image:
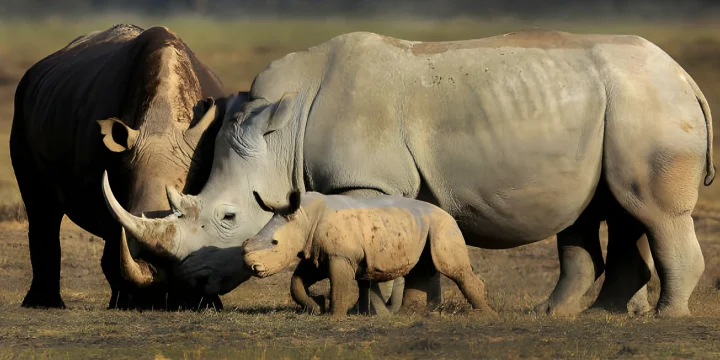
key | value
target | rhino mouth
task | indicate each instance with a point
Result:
(258, 269)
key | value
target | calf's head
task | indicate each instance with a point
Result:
(280, 240)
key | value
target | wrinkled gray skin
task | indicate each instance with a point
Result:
(130, 101)
(519, 137)
(347, 239)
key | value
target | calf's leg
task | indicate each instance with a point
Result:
(450, 257)
(343, 286)
(306, 275)
(371, 294)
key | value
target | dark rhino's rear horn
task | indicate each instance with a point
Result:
(139, 273)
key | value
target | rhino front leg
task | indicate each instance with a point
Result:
(343, 286)
(44, 215)
(306, 275)
(395, 297)
(581, 263)
(44, 238)
(422, 285)
(421, 292)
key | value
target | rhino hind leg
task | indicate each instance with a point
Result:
(450, 257)
(581, 263)
(628, 267)
(661, 193)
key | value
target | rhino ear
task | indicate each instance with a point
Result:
(294, 199)
(118, 136)
(234, 105)
(282, 113)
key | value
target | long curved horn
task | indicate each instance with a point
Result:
(155, 234)
(139, 273)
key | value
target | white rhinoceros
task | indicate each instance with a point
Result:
(519, 137)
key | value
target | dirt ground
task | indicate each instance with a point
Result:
(259, 320)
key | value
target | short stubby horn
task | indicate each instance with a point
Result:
(182, 204)
(139, 273)
(157, 235)
(174, 199)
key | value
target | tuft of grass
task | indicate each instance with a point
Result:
(12, 212)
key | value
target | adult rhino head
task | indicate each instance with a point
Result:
(249, 147)
(162, 132)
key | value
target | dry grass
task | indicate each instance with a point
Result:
(260, 321)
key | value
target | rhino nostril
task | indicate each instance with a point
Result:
(274, 242)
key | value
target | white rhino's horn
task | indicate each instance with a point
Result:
(174, 199)
(139, 273)
(181, 204)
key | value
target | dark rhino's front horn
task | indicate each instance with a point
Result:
(156, 235)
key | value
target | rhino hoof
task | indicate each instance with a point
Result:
(486, 313)
(546, 308)
(39, 300)
(543, 308)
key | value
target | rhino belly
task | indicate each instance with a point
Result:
(510, 212)
(510, 192)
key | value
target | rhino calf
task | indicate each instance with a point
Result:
(349, 239)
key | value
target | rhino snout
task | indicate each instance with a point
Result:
(258, 244)
(257, 267)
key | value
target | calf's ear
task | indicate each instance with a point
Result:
(262, 204)
(294, 198)
(118, 136)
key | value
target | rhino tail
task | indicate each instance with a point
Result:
(709, 167)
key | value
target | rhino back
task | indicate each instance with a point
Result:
(70, 89)
(100, 75)
(489, 130)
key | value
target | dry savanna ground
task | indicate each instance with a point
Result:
(259, 320)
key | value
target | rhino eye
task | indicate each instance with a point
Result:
(229, 217)
(274, 242)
